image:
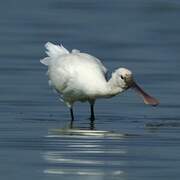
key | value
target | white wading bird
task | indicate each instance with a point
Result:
(79, 76)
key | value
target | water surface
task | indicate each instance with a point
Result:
(128, 139)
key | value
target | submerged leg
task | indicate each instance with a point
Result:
(92, 126)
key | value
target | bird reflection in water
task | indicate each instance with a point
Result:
(91, 124)
(85, 152)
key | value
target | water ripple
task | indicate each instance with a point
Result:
(82, 150)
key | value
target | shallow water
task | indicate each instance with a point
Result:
(128, 140)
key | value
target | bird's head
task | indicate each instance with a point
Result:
(124, 79)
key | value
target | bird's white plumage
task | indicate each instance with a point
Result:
(76, 76)
(79, 76)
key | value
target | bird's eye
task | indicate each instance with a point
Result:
(122, 77)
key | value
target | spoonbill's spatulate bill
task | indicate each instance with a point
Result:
(78, 76)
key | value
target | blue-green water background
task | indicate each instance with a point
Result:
(130, 140)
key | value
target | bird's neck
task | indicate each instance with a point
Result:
(113, 88)
(109, 88)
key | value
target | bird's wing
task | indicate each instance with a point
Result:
(103, 68)
(98, 62)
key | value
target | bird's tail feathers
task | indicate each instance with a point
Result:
(53, 51)
(45, 61)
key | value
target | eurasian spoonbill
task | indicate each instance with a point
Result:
(78, 76)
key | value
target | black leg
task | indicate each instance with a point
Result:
(72, 115)
(92, 112)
